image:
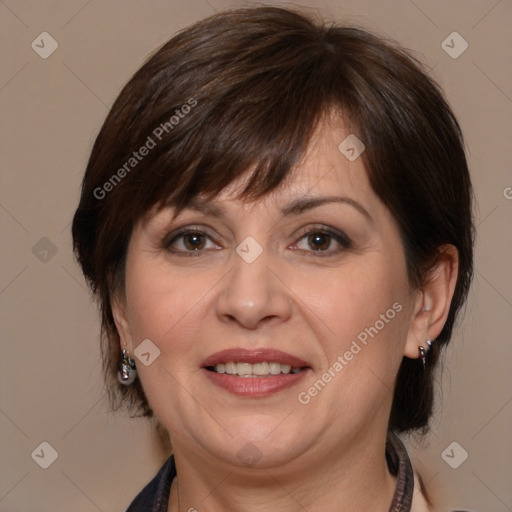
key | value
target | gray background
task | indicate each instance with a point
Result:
(51, 110)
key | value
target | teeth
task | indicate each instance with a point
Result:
(243, 369)
(275, 368)
(230, 368)
(262, 369)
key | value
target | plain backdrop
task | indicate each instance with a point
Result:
(51, 110)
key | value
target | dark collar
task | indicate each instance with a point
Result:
(400, 466)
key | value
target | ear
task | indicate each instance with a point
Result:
(118, 305)
(433, 301)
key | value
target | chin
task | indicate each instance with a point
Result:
(257, 446)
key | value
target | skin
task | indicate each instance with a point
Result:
(326, 455)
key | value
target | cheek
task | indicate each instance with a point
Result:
(361, 317)
(169, 311)
(164, 307)
(353, 299)
(362, 328)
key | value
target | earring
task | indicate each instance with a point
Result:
(423, 352)
(127, 370)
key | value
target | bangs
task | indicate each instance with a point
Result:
(260, 122)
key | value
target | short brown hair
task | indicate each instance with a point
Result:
(245, 89)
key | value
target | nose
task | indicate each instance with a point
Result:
(253, 294)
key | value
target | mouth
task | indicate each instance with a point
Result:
(254, 373)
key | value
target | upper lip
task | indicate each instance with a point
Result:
(253, 356)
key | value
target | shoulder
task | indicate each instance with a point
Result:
(419, 501)
(423, 503)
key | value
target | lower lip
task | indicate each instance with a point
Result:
(254, 386)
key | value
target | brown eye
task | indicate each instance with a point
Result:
(322, 242)
(188, 242)
(319, 241)
(194, 241)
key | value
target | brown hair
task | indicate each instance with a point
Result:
(245, 89)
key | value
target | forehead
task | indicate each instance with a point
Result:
(324, 169)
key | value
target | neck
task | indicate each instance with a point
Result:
(353, 478)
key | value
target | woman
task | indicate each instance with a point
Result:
(276, 220)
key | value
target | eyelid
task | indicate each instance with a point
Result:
(186, 230)
(322, 228)
(338, 236)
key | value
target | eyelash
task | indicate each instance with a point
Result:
(339, 237)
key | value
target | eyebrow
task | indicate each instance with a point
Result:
(296, 207)
(305, 203)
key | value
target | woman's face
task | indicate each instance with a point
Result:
(312, 277)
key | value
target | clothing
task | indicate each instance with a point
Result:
(155, 496)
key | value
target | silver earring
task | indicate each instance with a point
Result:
(423, 352)
(127, 370)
